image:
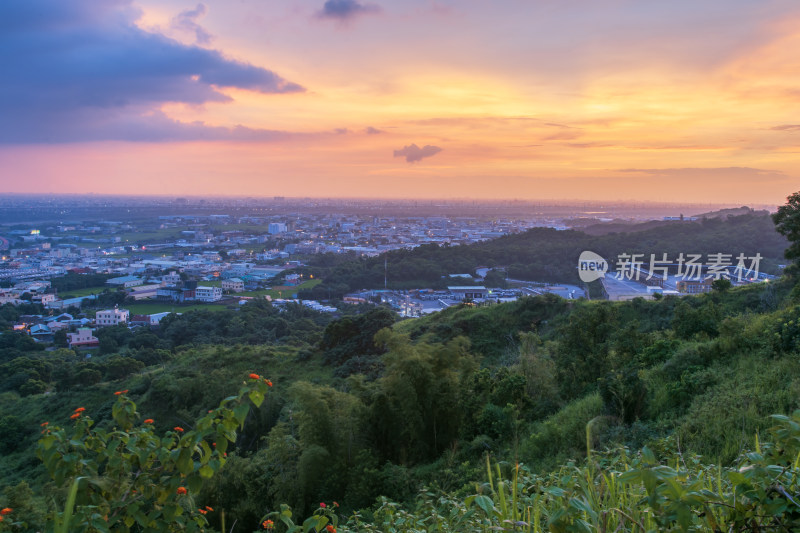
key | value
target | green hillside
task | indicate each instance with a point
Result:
(419, 425)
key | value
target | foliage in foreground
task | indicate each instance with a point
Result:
(613, 491)
(130, 479)
(617, 491)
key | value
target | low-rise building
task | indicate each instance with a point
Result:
(468, 293)
(82, 338)
(207, 294)
(112, 317)
(694, 286)
(143, 292)
(125, 282)
(44, 298)
(233, 285)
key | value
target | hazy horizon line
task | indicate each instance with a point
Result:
(278, 197)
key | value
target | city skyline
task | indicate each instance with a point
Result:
(611, 100)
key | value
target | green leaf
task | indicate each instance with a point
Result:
(206, 471)
(648, 455)
(222, 442)
(171, 511)
(631, 476)
(311, 522)
(241, 413)
(256, 397)
(485, 503)
(184, 462)
(555, 491)
(194, 483)
(63, 527)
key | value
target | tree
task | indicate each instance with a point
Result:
(12, 433)
(787, 222)
(60, 338)
(495, 278)
(721, 284)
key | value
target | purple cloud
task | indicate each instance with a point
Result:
(346, 9)
(786, 127)
(372, 131)
(187, 21)
(414, 153)
(82, 70)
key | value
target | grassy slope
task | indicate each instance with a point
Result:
(185, 387)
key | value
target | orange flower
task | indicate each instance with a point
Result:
(74, 416)
(178, 429)
(148, 420)
(255, 376)
(80, 409)
(330, 529)
(335, 504)
(118, 393)
(181, 490)
(322, 504)
(268, 382)
(202, 511)
(267, 524)
(6, 510)
(1, 518)
(210, 508)
(43, 424)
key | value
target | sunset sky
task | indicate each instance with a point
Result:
(535, 99)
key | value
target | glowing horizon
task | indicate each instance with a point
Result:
(610, 101)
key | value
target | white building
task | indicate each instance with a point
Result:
(468, 292)
(208, 294)
(233, 285)
(112, 317)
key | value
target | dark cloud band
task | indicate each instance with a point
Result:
(346, 9)
(82, 70)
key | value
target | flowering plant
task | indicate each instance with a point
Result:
(130, 478)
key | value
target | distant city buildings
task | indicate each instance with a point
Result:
(209, 256)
